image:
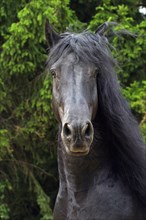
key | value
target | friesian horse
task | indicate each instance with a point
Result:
(101, 154)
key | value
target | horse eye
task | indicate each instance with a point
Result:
(53, 73)
(95, 74)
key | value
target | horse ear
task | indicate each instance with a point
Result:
(104, 27)
(51, 36)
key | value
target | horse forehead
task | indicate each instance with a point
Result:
(78, 66)
(69, 58)
(71, 61)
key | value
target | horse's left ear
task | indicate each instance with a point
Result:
(104, 27)
(51, 36)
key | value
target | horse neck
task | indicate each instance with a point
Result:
(77, 173)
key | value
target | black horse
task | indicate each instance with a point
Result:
(101, 155)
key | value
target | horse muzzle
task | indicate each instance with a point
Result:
(77, 137)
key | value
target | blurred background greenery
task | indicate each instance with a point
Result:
(28, 131)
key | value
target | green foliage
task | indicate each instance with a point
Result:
(43, 201)
(136, 94)
(5, 145)
(4, 210)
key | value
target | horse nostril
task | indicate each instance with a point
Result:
(87, 130)
(67, 130)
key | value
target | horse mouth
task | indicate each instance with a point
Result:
(78, 152)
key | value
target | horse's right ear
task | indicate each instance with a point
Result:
(52, 37)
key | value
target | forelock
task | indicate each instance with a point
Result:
(88, 47)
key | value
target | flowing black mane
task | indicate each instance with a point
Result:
(126, 147)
